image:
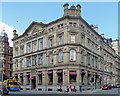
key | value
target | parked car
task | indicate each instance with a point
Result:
(118, 85)
(105, 87)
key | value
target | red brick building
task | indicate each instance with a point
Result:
(6, 54)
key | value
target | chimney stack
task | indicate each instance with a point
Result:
(73, 11)
(102, 35)
(15, 34)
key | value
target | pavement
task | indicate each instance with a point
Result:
(95, 92)
(56, 92)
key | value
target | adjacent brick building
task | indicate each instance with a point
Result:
(6, 54)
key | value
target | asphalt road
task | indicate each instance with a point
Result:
(111, 92)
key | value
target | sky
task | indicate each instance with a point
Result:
(19, 15)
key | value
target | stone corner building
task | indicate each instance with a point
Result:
(6, 55)
(63, 52)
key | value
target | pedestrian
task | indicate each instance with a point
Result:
(70, 89)
(67, 89)
(74, 89)
(60, 89)
(80, 87)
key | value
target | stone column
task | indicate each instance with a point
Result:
(55, 77)
(85, 58)
(30, 81)
(78, 76)
(36, 82)
(19, 78)
(65, 77)
(86, 78)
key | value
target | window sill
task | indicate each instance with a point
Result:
(72, 60)
(60, 61)
(50, 83)
(72, 81)
(27, 84)
(39, 84)
(59, 83)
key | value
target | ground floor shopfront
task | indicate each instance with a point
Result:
(51, 79)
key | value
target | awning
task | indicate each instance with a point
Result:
(39, 73)
(89, 73)
(73, 73)
(21, 74)
(28, 74)
(59, 71)
(15, 75)
(96, 74)
(83, 72)
(49, 72)
(31, 78)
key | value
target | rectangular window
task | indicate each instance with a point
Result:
(35, 47)
(51, 58)
(29, 61)
(29, 48)
(60, 40)
(16, 63)
(51, 43)
(35, 59)
(41, 58)
(22, 62)
(16, 52)
(72, 38)
(41, 45)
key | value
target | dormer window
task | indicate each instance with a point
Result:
(74, 24)
(61, 25)
(58, 26)
(70, 23)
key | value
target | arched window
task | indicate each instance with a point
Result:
(72, 55)
(60, 56)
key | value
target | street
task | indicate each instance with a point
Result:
(97, 92)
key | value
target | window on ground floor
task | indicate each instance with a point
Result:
(73, 75)
(50, 77)
(28, 80)
(60, 76)
(40, 78)
(82, 77)
(21, 79)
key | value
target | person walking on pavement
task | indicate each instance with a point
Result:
(80, 87)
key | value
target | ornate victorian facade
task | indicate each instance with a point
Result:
(6, 55)
(63, 52)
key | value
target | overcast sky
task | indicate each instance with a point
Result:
(20, 15)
